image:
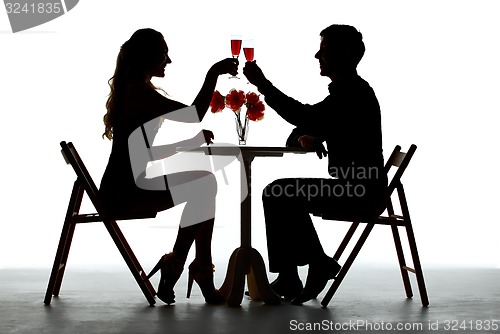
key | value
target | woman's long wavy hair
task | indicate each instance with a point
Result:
(136, 57)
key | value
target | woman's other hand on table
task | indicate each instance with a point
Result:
(208, 135)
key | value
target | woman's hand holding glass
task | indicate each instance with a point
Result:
(226, 66)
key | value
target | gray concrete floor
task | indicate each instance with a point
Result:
(369, 300)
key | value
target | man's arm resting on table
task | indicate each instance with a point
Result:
(303, 139)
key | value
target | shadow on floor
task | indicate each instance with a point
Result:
(368, 301)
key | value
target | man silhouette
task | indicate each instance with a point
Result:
(348, 120)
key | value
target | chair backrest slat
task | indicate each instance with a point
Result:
(71, 155)
(392, 157)
(400, 160)
(65, 157)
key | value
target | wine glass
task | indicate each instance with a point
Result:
(248, 49)
(235, 49)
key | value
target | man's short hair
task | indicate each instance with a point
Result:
(346, 36)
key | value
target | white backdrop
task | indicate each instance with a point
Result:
(433, 65)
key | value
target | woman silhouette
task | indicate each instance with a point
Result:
(134, 101)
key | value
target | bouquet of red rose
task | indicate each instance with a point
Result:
(235, 101)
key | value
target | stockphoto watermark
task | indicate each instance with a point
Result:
(186, 169)
(356, 325)
(354, 172)
(465, 326)
(26, 14)
(348, 182)
(311, 188)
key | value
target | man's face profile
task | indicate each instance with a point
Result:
(323, 56)
(333, 57)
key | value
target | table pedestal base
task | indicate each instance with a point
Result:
(246, 261)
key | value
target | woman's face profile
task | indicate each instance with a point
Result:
(160, 58)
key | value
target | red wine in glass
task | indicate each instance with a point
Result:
(235, 47)
(248, 50)
(248, 53)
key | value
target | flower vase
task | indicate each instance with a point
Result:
(242, 130)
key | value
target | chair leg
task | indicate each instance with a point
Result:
(131, 260)
(347, 265)
(346, 240)
(418, 267)
(59, 265)
(402, 262)
(413, 248)
(64, 246)
(64, 260)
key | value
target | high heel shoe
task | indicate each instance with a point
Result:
(171, 269)
(203, 274)
(317, 277)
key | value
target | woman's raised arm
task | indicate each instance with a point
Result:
(202, 100)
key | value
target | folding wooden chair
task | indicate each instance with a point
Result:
(85, 184)
(399, 160)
